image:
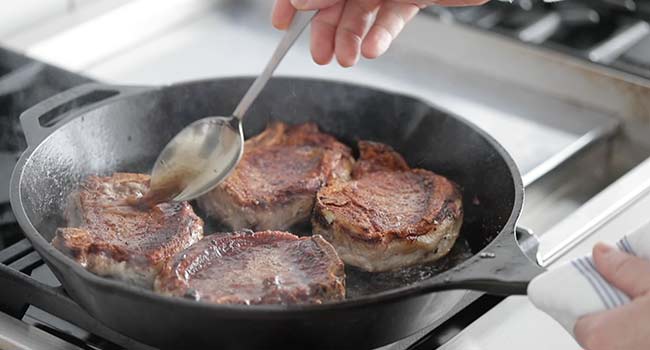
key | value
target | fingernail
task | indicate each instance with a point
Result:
(383, 42)
(299, 4)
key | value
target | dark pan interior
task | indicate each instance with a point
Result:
(127, 134)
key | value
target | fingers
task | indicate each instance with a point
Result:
(625, 327)
(343, 27)
(628, 273)
(323, 28)
(353, 26)
(313, 4)
(282, 15)
(323, 32)
(391, 19)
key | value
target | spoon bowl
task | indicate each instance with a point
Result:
(198, 158)
(205, 152)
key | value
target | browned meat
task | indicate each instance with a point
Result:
(388, 216)
(111, 238)
(268, 267)
(275, 184)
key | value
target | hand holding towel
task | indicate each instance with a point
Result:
(604, 298)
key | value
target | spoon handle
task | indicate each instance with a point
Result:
(298, 24)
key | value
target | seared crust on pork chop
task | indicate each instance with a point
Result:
(268, 267)
(388, 216)
(109, 237)
(275, 183)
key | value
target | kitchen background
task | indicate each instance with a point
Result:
(563, 86)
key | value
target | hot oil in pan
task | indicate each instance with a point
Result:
(359, 283)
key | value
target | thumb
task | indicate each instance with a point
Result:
(313, 4)
(628, 273)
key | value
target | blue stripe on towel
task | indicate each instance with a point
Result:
(619, 297)
(605, 287)
(591, 281)
(622, 246)
(626, 243)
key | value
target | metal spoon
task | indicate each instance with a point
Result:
(205, 152)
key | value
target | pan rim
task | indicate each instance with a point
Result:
(392, 295)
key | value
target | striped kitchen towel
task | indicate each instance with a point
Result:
(574, 289)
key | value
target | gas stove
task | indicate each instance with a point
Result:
(575, 122)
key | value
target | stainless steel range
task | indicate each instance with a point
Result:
(613, 33)
(563, 86)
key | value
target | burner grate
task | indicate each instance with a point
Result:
(15, 258)
(27, 298)
(607, 32)
(15, 252)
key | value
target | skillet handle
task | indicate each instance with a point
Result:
(41, 120)
(502, 268)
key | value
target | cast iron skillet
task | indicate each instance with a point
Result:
(99, 129)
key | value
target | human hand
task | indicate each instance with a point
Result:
(348, 28)
(626, 327)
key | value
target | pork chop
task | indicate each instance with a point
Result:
(111, 238)
(268, 267)
(388, 216)
(275, 183)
